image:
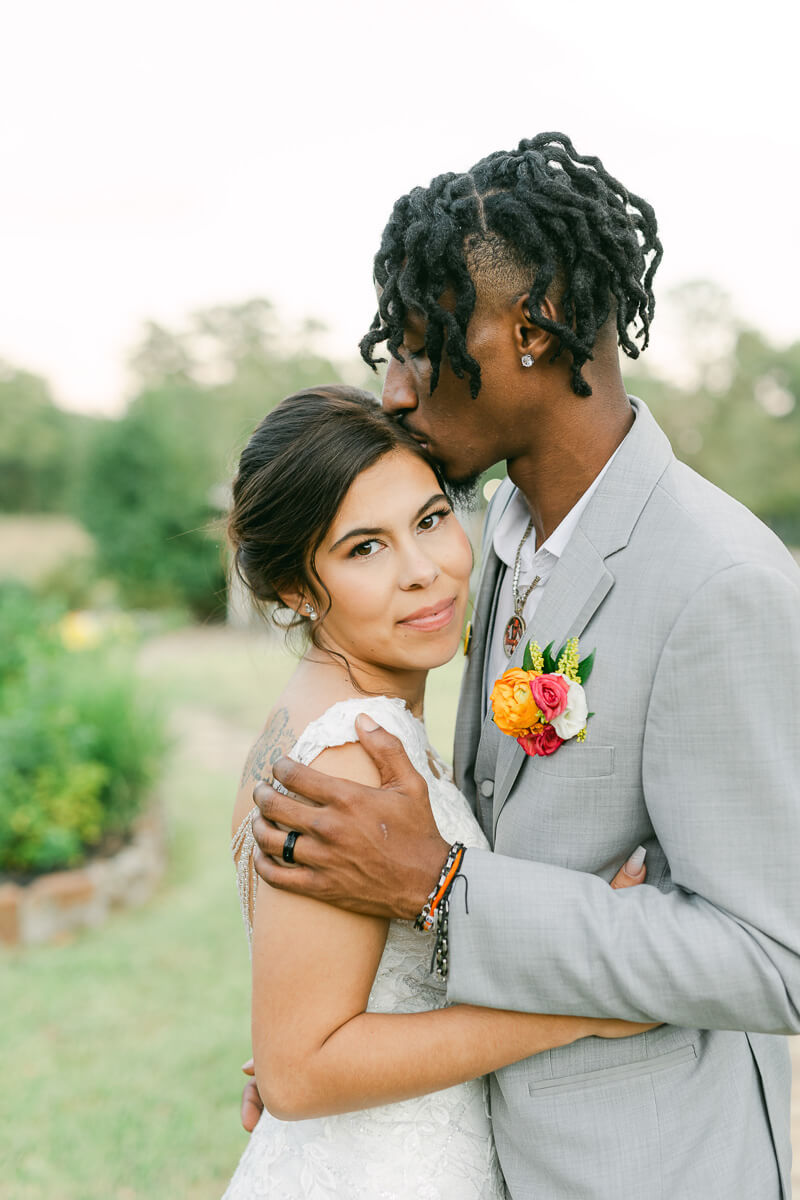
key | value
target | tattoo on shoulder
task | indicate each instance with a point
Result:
(277, 739)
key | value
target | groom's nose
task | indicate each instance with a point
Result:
(399, 394)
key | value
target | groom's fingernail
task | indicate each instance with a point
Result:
(634, 864)
(366, 723)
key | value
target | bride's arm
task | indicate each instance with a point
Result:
(318, 1052)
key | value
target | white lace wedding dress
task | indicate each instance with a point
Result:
(435, 1147)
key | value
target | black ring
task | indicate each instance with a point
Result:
(288, 846)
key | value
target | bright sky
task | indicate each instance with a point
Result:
(162, 156)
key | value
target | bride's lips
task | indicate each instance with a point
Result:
(432, 618)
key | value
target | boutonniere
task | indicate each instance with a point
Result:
(542, 704)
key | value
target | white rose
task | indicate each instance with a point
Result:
(573, 718)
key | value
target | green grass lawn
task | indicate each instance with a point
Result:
(120, 1050)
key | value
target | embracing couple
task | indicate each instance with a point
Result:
(449, 1000)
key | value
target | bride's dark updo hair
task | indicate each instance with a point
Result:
(293, 475)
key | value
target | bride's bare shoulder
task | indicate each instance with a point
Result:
(298, 705)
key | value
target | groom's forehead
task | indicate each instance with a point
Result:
(415, 318)
(416, 321)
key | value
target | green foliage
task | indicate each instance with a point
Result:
(74, 580)
(215, 379)
(156, 481)
(79, 745)
(174, 969)
(146, 500)
(28, 633)
(41, 446)
(736, 419)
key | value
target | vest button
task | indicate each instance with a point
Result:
(487, 787)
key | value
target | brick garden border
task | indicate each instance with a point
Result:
(52, 906)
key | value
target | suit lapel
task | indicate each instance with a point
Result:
(470, 710)
(582, 579)
(579, 583)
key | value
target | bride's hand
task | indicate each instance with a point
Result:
(631, 872)
(252, 1104)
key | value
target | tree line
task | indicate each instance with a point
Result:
(151, 486)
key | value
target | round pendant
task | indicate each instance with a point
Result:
(513, 634)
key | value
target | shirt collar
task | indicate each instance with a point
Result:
(514, 521)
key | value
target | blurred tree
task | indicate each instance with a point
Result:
(736, 419)
(159, 358)
(152, 483)
(145, 498)
(41, 446)
(228, 367)
(157, 479)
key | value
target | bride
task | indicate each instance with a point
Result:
(372, 1086)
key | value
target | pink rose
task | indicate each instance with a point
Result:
(550, 695)
(546, 742)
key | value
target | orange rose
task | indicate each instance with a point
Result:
(515, 711)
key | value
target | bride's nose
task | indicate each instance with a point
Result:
(418, 569)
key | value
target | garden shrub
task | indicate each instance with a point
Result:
(80, 746)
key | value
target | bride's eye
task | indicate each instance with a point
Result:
(433, 519)
(363, 549)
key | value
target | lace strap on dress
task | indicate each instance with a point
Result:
(337, 727)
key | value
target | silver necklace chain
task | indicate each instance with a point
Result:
(521, 601)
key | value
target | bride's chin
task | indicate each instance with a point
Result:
(430, 657)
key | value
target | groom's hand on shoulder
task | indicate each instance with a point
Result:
(369, 849)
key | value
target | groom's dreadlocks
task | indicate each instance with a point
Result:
(521, 220)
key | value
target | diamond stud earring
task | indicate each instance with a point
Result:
(527, 360)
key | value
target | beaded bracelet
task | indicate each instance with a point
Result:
(442, 917)
(425, 919)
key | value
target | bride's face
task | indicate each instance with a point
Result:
(396, 563)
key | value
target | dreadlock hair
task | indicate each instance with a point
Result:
(526, 218)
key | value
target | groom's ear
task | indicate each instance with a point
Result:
(530, 338)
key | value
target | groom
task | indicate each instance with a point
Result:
(503, 294)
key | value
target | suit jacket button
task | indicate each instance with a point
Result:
(487, 787)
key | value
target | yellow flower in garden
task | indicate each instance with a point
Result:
(512, 703)
(79, 631)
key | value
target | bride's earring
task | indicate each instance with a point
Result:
(311, 611)
(527, 360)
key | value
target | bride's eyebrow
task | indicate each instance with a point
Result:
(372, 532)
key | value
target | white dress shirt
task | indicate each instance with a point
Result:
(506, 540)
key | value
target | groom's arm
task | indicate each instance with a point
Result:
(721, 776)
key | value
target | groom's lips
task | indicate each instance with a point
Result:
(434, 617)
(422, 439)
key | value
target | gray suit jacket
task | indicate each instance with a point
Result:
(693, 607)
